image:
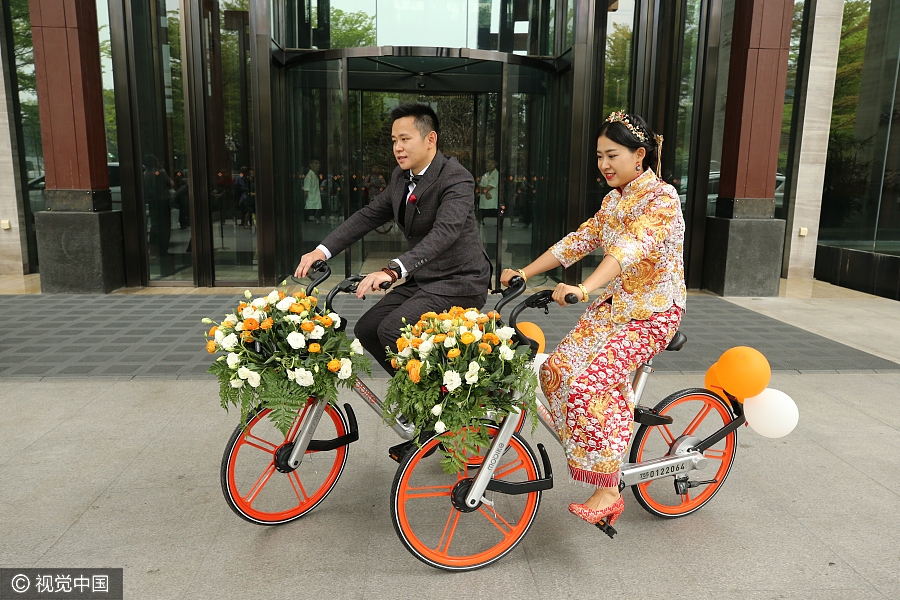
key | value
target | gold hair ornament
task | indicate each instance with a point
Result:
(659, 142)
(622, 117)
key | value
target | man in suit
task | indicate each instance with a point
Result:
(432, 199)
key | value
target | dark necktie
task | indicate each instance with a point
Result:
(410, 180)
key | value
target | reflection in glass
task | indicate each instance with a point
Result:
(161, 132)
(232, 174)
(861, 196)
(789, 95)
(618, 56)
(515, 26)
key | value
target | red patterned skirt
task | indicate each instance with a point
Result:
(587, 383)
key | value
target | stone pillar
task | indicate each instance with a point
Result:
(813, 107)
(744, 242)
(79, 238)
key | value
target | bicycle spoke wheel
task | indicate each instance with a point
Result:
(257, 491)
(440, 535)
(696, 413)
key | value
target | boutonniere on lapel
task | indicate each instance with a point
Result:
(412, 199)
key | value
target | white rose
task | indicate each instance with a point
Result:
(285, 303)
(303, 377)
(472, 315)
(437, 409)
(462, 329)
(406, 352)
(446, 325)
(504, 333)
(295, 319)
(219, 336)
(477, 333)
(233, 360)
(244, 372)
(317, 333)
(239, 326)
(426, 347)
(248, 312)
(272, 298)
(474, 367)
(506, 353)
(471, 377)
(296, 340)
(346, 369)
(336, 319)
(449, 342)
(452, 380)
(253, 379)
(230, 320)
(440, 427)
(260, 303)
(290, 374)
(229, 341)
(237, 383)
(356, 347)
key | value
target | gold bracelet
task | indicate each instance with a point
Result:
(522, 273)
(583, 292)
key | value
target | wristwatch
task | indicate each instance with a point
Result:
(393, 266)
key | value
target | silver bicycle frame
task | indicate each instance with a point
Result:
(403, 428)
(310, 422)
(492, 458)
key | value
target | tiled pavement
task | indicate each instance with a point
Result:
(161, 336)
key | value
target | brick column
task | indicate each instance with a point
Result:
(79, 237)
(743, 241)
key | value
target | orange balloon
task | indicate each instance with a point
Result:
(744, 372)
(534, 332)
(711, 382)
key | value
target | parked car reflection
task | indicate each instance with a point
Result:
(39, 202)
(713, 191)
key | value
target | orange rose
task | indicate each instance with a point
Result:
(313, 300)
(469, 324)
(492, 338)
(307, 326)
(315, 348)
(482, 320)
(430, 315)
(394, 363)
(246, 336)
(439, 338)
(213, 330)
(486, 348)
(296, 307)
(467, 338)
(444, 316)
(493, 315)
(334, 366)
(413, 367)
(429, 330)
(326, 321)
(416, 331)
(211, 346)
(402, 343)
(241, 306)
(267, 324)
(281, 295)
(300, 294)
(415, 342)
(454, 352)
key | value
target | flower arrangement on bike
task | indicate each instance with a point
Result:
(281, 351)
(454, 369)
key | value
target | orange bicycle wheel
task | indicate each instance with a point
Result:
(256, 482)
(442, 536)
(696, 414)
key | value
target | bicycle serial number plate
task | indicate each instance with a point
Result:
(663, 471)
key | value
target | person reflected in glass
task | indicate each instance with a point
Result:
(638, 296)
(487, 201)
(181, 200)
(312, 191)
(373, 184)
(156, 186)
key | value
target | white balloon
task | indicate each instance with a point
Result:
(772, 413)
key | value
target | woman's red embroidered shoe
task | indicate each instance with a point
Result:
(609, 515)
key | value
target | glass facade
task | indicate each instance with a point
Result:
(207, 92)
(861, 195)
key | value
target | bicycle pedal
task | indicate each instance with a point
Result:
(607, 529)
(399, 452)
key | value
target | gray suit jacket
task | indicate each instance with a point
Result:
(445, 255)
